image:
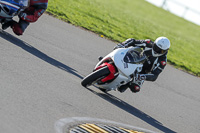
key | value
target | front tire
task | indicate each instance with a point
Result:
(98, 74)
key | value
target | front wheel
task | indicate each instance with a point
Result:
(98, 74)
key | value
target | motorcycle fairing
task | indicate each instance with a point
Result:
(10, 8)
(111, 69)
(125, 70)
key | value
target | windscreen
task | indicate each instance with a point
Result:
(135, 55)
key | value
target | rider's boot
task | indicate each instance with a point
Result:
(134, 87)
(6, 25)
(123, 88)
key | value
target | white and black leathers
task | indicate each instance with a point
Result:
(154, 65)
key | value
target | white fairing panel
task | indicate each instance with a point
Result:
(116, 83)
(125, 69)
(118, 57)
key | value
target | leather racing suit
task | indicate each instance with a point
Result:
(152, 67)
(31, 14)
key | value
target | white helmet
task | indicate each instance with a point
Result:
(161, 46)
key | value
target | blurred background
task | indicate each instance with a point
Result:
(188, 9)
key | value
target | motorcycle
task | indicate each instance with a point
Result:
(116, 69)
(11, 8)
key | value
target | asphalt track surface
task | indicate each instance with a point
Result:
(41, 71)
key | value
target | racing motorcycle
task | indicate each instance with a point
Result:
(11, 8)
(116, 69)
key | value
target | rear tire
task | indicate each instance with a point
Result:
(95, 75)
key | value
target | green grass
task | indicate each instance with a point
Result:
(122, 19)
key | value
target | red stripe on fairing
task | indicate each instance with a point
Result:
(111, 69)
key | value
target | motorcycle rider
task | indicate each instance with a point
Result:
(156, 53)
(30, 15)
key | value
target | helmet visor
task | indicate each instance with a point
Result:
(158, 50)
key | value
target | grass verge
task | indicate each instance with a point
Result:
(122, 19)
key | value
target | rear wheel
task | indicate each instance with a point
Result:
(98, 74)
